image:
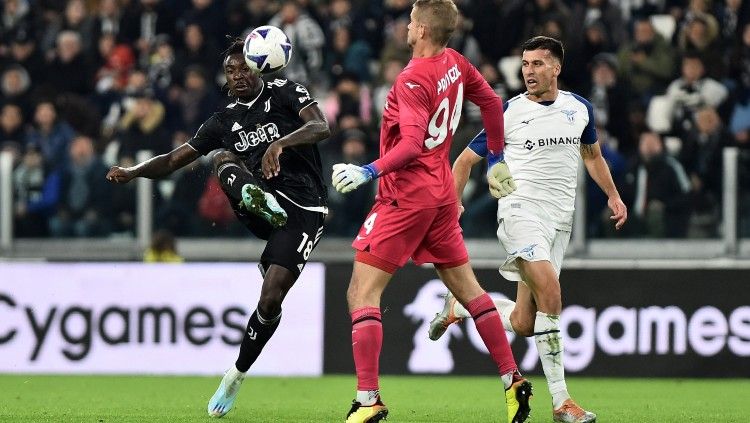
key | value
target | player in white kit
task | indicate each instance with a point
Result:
(546, 131)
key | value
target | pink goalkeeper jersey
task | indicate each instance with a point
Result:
(429, 94)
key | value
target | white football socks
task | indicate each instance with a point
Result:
(504, 306)
(367, 398)
(550, 346)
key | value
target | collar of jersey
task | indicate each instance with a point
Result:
(250, 104)
(545, 103)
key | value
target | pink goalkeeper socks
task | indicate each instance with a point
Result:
(490, 328)
(367, 340)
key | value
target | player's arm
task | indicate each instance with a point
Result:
(314, 130)
(479, 92)
(206, 139)
(591, 153)
(414, 103)
(599, 171)
(461, 171)
(155, 167)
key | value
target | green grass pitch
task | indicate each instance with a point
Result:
(99, 399)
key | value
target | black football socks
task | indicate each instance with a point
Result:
(259, 331)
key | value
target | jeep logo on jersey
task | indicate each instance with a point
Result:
(265, 133)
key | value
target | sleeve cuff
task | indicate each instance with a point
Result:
(493, 159)
(371, 170)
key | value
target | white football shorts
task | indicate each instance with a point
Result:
(531, 239)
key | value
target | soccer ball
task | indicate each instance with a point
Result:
(267, 49)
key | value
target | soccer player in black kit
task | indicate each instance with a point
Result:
(270, 169)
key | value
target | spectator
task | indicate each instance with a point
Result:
(488, 17)
(701, 156)
(15, 85)
(345, 213)
(691, 91)
(349, 98)
(732, 16)
(463, 41)
(23, 52)
(142, 126)
(114, 74)
(389, 72)
(606, 93)
(395, 47)
(163, 249)
(137, 83)
(656, 191)
(76, 18)
(209, 16)
(123, 198)
(50, 135)
(739, 66)
(85, 197)
(142, 21)
(589, 12)
(161, 65)
(15, 15)
(647, 61)
(245, 14)
(197, 100)
(698, 38)
(348, 56)
(181, 193)
(598, 220)
(69, 71)
(11, 126)
(577, 70)
(36, 194)
(198, 50)
(539, 12)
(307, 38)
(107, 19)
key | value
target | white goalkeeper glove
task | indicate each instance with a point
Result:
(348, 177)
(500, 180)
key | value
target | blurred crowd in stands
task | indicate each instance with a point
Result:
(89, 83)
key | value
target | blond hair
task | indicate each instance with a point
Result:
(438, 15)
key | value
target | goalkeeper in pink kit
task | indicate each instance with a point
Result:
(416, 210)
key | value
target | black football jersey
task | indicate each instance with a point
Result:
(247, 129)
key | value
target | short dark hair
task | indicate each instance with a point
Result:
(545, 43)
(236, 45)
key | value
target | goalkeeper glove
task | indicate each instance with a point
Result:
(499, 177)
(348, 177)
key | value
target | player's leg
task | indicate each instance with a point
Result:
(519, 236)
(444, 246)
(542, 279)
(517, 316)
(243, 188)
(370, 276)
(386, 240)
(282, 262)
(260, 328)
(462, 282)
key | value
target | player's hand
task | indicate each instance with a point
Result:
(500, 180)
(619, 210)
(460, 209)
(348, 177)
(119, 175)
(270, 162)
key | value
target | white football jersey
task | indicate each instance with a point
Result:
(542, 150)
